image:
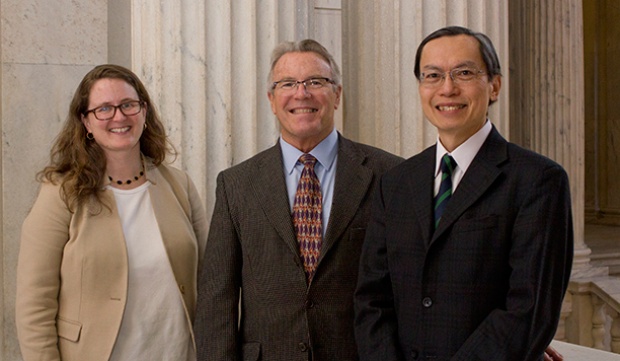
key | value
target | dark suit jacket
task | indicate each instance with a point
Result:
(252, 248)
(488, 283)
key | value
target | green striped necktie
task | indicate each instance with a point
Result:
(445, 189)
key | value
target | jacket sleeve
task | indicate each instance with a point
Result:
(540, 260)
(376, 327)
(219, 282)
(44, 235)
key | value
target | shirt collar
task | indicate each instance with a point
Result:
(325, 152)
(465, 153)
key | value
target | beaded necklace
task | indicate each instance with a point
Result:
(128, 181)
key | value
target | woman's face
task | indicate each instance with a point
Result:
(120, 133)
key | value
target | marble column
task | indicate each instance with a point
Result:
(206, 64)
(547, 95)
(380, 39)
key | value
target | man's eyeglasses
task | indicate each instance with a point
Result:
(458, 75)
(107, 112)
(290, 86)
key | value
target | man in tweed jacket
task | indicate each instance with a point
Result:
(254, 299)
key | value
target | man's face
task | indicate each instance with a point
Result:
(457, 109)
(306, 116)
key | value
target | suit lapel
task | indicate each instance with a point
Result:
(353, 180)
(421, 191)
(482, 172)
(269, 186)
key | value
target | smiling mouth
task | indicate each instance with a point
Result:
(120, 130)
(304, 110)
(448, 108)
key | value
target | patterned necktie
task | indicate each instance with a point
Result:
(445, 189)
(307, 210)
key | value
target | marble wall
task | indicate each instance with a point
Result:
(380, 41)
(205, 64)
(46, 47)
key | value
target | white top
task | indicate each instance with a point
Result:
(154, 325)
(463, 155)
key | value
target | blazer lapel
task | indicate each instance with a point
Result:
(352, 184)
(482, 172)
(421, 191)
(269, 186)
(166, 194)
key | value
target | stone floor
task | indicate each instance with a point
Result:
(579, 353)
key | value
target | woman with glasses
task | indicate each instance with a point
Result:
(110, 250)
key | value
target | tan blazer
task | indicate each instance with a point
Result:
(72, 268)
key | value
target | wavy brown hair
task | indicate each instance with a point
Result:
(77, 163)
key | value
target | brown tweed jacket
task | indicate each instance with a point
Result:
(252, 257)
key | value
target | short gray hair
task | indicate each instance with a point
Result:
(303, 46)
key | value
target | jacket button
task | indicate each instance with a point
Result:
(309, 304)
(182, 288)
(302, 347)
(427, 302)
(414, 354)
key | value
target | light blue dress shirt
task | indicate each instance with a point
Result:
(326, 154)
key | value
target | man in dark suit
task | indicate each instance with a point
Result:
(274, 287)
(485, 279)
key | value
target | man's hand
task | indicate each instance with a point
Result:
(552, 355)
